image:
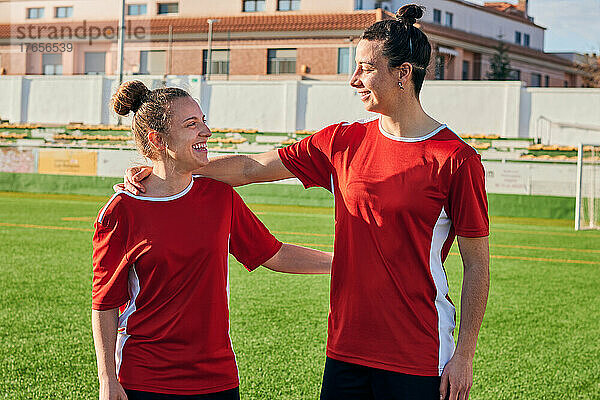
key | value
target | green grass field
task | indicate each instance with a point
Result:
(539, 340)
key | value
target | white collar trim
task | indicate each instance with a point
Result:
(409, 139)
(169, 198)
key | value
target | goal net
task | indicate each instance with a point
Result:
(587, 205)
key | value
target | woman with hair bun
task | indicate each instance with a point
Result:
(405, 186)
(160, 290)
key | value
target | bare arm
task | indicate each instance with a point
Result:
(235, 170)
(476, 284)
(300, 260)
(104, 328)
(238, 170)
(475, 253)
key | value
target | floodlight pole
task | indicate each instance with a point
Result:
(121, 41)
(170, 60)
(210, 34)
(121, 47)
(350, 63)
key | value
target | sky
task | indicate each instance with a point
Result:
(572, 25)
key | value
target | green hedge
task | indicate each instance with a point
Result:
(514, 205)
(499, 204)
(57, 184)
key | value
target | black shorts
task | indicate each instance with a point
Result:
(232, 394)
(346, 381)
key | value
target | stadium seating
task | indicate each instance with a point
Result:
(490, 146)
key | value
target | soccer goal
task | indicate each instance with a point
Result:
(587, 204)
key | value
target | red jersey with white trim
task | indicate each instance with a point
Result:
(164, 262)
(399, 202)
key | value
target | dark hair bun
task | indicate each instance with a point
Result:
(130, 97)
(410, 13)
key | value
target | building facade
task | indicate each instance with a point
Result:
(264, 39)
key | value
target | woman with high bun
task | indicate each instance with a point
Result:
(160, 289)
(405, 185)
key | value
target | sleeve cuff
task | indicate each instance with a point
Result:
(258, 262)
(98, 306)
(307, 183)
(473, 234)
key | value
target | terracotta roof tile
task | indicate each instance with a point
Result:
(272, 23)
(500, 6)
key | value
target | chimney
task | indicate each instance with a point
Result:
(524, 7)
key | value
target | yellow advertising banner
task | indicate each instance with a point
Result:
(67, 162)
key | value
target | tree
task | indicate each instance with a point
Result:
(589, 68)
(500, 63)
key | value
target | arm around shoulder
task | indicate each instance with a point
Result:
(242, 169)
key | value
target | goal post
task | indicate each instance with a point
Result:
(587, 201)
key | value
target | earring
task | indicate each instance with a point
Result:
(401, 86)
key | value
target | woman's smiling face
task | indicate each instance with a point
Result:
(188, 136)
(374, 81)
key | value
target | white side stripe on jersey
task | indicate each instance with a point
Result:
(445, 309)
(332, 187)
(227, 287)
(229, 320)
(122, 335)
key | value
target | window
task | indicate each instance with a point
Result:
(63, 12)
(515, 75)
(288, 5)
(136, 9)
(358, 4)
(449, 18)
(536, 80)
(153, 62)
(439, 67)
(168, 8)
(437, 16)
(52, 64)
(346, 61)
(35, 13)
(465, 71)
(95, 63)
(518, 37)
(476, 66)
(219, 61)
(254, 5)
(526, 40)
(547, 81)
(281, 61)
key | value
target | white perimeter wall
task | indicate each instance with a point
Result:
(574, 114)
(475, 107)
(502, 108)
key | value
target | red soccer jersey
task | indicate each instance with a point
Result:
(399, 202)
(164, 262)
